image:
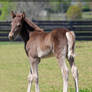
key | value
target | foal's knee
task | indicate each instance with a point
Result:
(30, 78)
(65, 74)
(35, 78)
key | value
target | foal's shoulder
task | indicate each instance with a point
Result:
(37, 34)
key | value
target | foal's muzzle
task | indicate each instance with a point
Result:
(11, 36)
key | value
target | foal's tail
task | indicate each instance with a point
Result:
(71, 44)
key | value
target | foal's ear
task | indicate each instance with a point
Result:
(23, 14)
(13, 14)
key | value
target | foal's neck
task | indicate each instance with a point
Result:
(25, 32)
(25, 35)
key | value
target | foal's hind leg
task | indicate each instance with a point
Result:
(64, 71)
(74, 71)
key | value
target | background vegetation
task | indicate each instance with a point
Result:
(48, 10)
(74, 12)
(5, 8)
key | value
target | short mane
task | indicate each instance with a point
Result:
(28, 26)
(32, 25)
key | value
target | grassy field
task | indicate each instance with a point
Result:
(14, 68)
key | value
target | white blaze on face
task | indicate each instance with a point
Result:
(10, 34)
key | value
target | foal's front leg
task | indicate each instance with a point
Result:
(30, 80)
(33, 76)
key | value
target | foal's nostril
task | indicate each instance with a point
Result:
(10, 36)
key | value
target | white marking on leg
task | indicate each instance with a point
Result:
(30, 80)
(75, 76)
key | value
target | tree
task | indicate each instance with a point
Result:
(5, 10)
(32, 9)
(74, 12)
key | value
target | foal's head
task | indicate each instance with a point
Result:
(16, 24)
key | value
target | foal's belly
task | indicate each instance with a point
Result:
(49, 55)
(44, 54)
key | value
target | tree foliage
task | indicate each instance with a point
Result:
(5, 9)
(74, 12)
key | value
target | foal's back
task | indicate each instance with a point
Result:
(57, 34)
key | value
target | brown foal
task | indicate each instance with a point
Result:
(38, 44)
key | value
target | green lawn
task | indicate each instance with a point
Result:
(14, 68)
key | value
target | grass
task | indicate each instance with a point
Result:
(14, 68)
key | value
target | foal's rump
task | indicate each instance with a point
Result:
(63, 39)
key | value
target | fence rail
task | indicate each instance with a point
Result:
(82, 29)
